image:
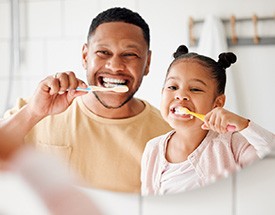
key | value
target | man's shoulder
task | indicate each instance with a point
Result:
(152, 109)
(20, 102)
(155, 118)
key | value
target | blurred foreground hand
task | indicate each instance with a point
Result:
(48, 178)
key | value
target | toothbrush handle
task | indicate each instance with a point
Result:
(91, 88)
(231, 128)
(83, 89)
(198, 115)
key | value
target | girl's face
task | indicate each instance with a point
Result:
(189, 84)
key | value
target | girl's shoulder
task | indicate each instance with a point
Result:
(158, 142)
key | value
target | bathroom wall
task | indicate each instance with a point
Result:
(51, 36)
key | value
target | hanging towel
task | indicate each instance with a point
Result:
(211, 43)
(212, 40)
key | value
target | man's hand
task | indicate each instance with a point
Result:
(55, 93)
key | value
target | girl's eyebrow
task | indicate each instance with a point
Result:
(192, 80)
(199, 80)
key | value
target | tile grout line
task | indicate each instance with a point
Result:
(140, 205)
(234, 194)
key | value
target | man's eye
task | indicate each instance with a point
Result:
(172, 87)
(130, 55)
(102, 52)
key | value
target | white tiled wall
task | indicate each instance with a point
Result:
(51, 36)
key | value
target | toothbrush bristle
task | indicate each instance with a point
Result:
(121, 89)
(181, 110)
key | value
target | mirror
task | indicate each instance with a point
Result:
(55, 46)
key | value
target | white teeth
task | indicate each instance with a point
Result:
(180, 111)
(109, 85)
(177, 112)
(114, 81)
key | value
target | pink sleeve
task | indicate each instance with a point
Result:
(252, 143)
(261, 139)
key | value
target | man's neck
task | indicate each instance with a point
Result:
(132, 108)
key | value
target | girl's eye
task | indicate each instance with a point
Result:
(195, 90)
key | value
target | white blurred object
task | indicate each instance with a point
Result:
(41, 185)
(17, 197)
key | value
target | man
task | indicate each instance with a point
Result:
(100, 135)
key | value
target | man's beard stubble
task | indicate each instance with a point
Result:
(112, 107)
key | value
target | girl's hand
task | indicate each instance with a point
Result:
(219, 118)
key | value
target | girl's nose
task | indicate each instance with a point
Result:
(182, 97)
(114, 63)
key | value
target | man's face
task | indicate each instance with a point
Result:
(116, 53)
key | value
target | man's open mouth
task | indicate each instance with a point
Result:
(112, 82)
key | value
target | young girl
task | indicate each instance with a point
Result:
(196, 153)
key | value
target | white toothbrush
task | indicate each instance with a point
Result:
(117, 89)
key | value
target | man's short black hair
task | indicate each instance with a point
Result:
(118, 14)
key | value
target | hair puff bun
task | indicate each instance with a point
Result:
(226, 59)
(182, 49)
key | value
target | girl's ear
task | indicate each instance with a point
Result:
(219, 101)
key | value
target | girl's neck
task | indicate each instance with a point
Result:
(183, 143)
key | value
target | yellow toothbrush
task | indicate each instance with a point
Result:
(183, 110)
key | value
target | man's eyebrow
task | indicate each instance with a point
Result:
(171, 77)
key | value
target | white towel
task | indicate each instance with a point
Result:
(212, 42)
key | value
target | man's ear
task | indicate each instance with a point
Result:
(147, 68)
(84, 55)
(220, 101)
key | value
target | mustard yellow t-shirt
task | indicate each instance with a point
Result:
(105, 153)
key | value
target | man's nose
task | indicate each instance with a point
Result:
(115, 63)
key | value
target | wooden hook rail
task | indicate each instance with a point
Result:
(233, 39)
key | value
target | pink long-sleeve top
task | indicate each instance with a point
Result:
(216, 157)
